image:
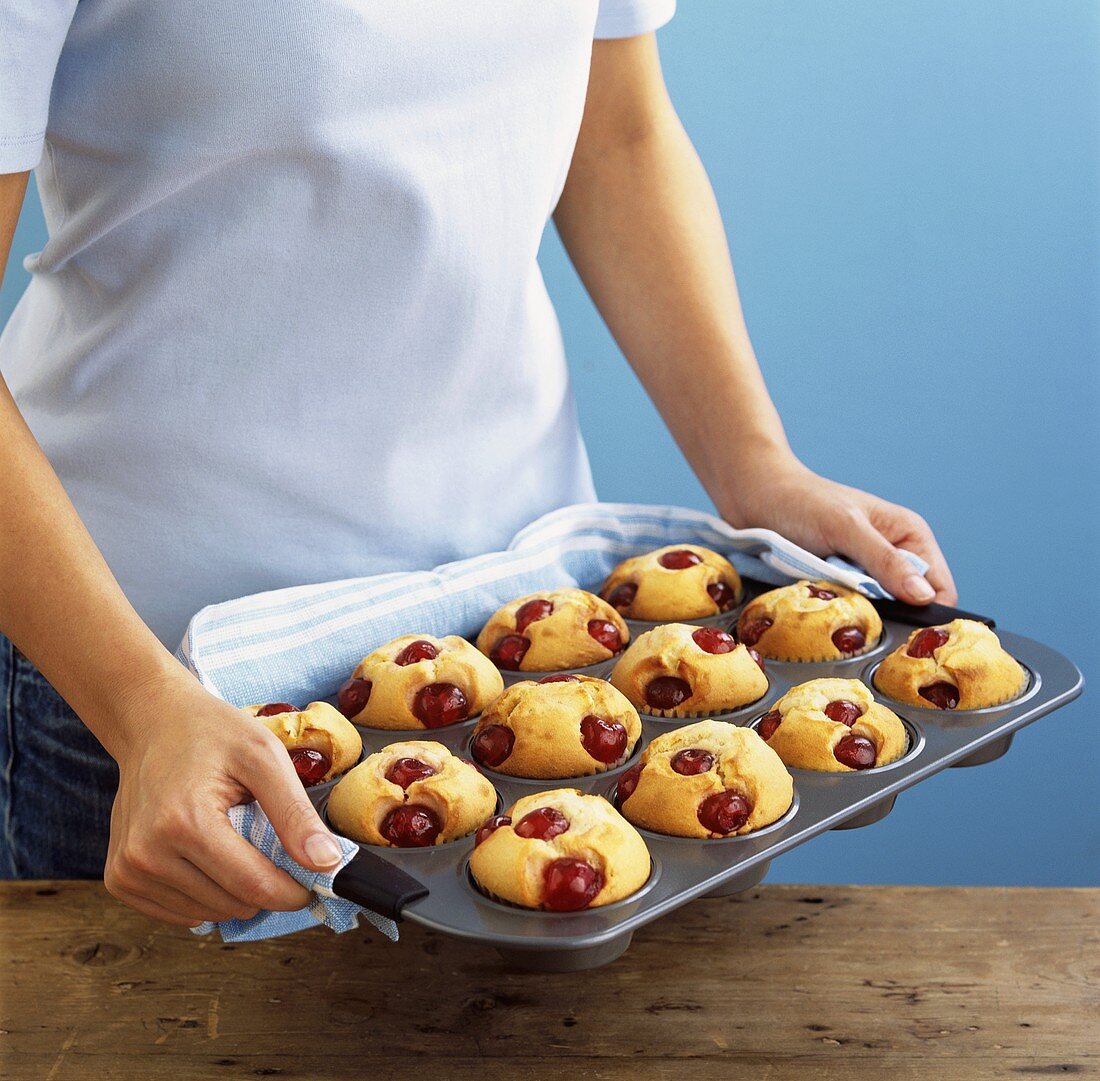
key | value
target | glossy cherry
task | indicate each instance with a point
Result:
(942, 695)
(404, 771)
(622, 597)
(821, 594)
(531, 612)
(667, 692)
(440, 704)
(723, 595)
(604, 740)
(755, 655)
(560, 677)
(509, 651)
(542, 824)
(724, 812)
(712, 640)
(679, 560)
(753, 630)
(766, 726)
(849, 639)
(416, 651)
(856, 752)
(692, 761)
(353, 697)
(570, 885)
(927, 641)
(628, 781)
(310, 765)
(493, 744)
(273, 709)
(607, 634)
(489, 826)
(411, 826)
(843, 712)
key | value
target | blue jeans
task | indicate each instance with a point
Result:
(56, 782)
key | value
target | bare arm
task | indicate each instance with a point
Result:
(641, 224)
(184, 756)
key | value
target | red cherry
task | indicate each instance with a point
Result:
(679, 560)
(273, 709)
(690, 762)
(753, 630)
(942, 695)
(353, 697)
(489, 826)
(766, 726)
(927, 641)
(560, 677)
(604, 740)
(570, 885)
(405, 771)
(411, 826)
(607, 634)
(493, 744)
(723, 595)
(416, 651)
(542, 823)
(531, 612)
(622, 597)
(756, 657)
(712, 640)
(843, 712)
(856, 752)
(628, 781)
(509, 651)
(724, 812)
(849, 639)
(667, 692)
(310, 765)
(440, 704)
(821, 594)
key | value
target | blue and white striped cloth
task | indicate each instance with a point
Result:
(299, 644)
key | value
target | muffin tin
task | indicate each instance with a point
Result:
(433, 887)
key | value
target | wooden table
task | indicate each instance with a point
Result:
(783, 982)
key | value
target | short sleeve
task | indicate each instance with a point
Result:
(31, 35)
(625, 18)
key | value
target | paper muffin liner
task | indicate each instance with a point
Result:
(599, 670)
(844, 658)
(644, 888)
(622, 763)
(702, 715)
(405, 733)
(914, 743)
(1030, 684)
(722, 620)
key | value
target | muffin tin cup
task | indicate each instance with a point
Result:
(600, 670)
(693, 868)
(723, 621)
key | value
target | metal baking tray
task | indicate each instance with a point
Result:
(432, 886)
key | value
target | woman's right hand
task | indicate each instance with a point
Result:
(173, 854)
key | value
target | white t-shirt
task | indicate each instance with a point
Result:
(289, 326)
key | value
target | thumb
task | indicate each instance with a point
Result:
(868, 547)
(276, 787)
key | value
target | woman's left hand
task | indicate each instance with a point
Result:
(829, 518)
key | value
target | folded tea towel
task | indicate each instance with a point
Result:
(324, 908)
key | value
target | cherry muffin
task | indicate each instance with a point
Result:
(410, 795)
(960, 665)
(562, 726)
(553, 631)
(675, 584)
(709, 779)
(676, 670)
(561, 851)
(417, 681)
(810, 621)
(833, 725)
(322, 744)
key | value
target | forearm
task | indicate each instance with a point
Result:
(640, 222)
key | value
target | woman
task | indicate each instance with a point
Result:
(289, 327)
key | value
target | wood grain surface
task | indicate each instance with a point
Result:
(814, 983)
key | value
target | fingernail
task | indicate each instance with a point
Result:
(322, 850)
(918, 588)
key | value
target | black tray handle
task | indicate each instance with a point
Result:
(927, 615)
(377, 884)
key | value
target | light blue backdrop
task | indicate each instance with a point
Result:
(912, 194)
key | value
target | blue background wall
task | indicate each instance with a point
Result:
(912, 195)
